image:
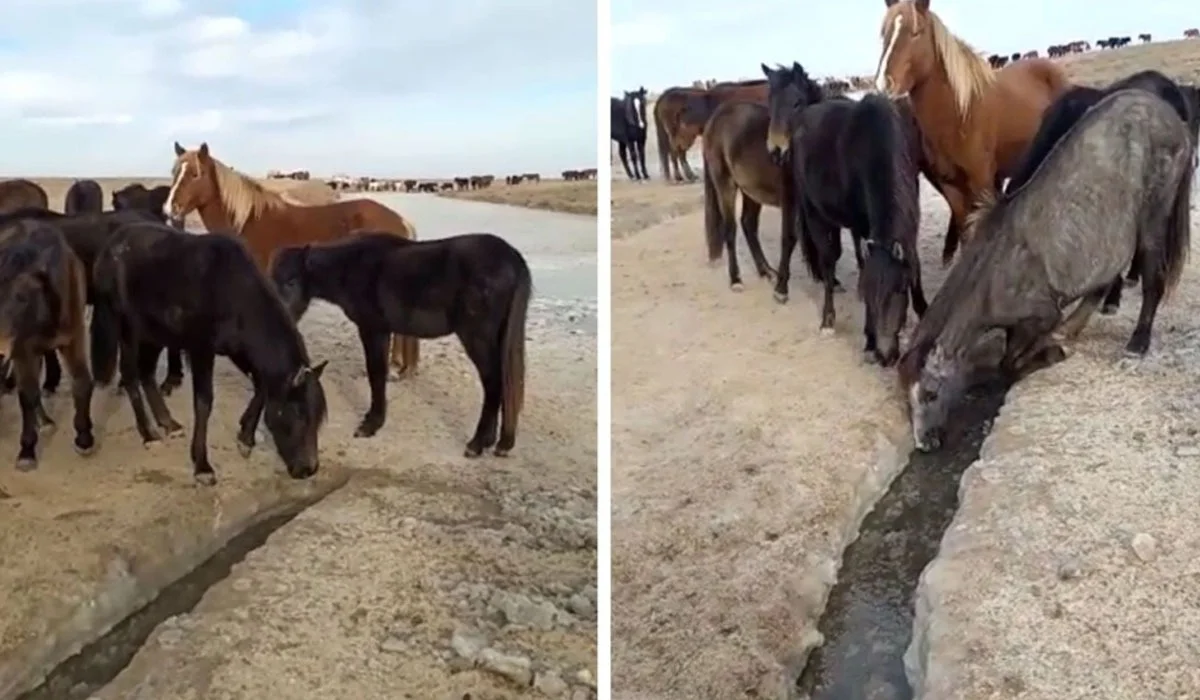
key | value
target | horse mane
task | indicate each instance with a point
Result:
(242, 197)
(968, 72)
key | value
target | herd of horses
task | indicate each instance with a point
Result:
(239, 291)
(470, 182)
(1057, 191)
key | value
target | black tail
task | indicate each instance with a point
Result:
(1179, 228)
(661, 139)
(512, 352)
(105, 341)
(714, 217)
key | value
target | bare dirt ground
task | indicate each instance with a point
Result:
(746, 449)
(426, 575)
(567, 196)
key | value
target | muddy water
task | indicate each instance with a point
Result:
(559, 248)
(868, 621)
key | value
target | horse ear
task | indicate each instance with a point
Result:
(797, 68)
(179, 150)
(889, 3)
(319, 369)
(766, 71)
(922, 5)
(897, 251)
(203, 150)
(298, 377)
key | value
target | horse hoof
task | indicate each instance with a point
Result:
(714, 262)
(26, 464)
(173, 430)
(152, 444)
(869, 358)
(1108, 309)
(737, 286)
(363, 431)
(781, 298)
(500, 452)
(87, 451)
(244, 450)
(472, 452)
(827, 331)
(205, 478)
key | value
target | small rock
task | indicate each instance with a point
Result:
(467, 643)
(169, 637)
(584, 676)
(1068, 569)
(521, 610)
(1187, 451)
(582, 606)
(393, 645)
(550, 684)
(1145, 547)
(515, 668)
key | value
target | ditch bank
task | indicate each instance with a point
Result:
(1071, 569)
(77, 565)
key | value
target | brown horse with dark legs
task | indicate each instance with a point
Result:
(22, 194)
(229, 200)
(676, 136)
(736, 161)
(43, 292)
(977, 122)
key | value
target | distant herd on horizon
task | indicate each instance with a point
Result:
(238, 291)
(472, 182)
(1061, 195)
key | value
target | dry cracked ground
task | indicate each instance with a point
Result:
(747, 448)
(414, 572)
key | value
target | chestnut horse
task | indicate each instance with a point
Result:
(977, 122)
(266, 221)
(676, 136)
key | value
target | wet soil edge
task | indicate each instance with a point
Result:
(890, 459)
(124, 593)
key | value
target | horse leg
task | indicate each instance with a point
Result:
(687, 167)
(916, 289)
(147, 364)
(248, 422)
(174, 378)
(954, 197)
(727, 202)
(828, 261)
(1070, 329)
(641, 155)
(202, 400)
(130, 383)
(374, 344)
(787, 247)
(405, 354)
(29, 395)
(485, 354)
(1112, 301)
(1153, 288)
(53, 372)
(623, 152)
(75, 354)
(1135, 269)
(751, 212)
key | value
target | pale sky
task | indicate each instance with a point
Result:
(660, 43)
(364, 87)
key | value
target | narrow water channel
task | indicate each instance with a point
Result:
(868, 621)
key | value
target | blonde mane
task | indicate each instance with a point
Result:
(242, 198)
(968, 72)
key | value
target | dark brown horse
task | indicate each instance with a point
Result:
(736, 160)
(976, 121)
(43, 292)
(229, 200)
(22, 194)
(675, 136)
(84, 197)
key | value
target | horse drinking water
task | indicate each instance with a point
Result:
(852, 164)
(1118, 184)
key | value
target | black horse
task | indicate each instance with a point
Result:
(629, 131)
(87, 234)
(475, 286)
(1069, 108)
(137, 197)
(851, 164)
(204, 294)
(84, 197)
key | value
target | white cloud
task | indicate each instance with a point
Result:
(348, 84)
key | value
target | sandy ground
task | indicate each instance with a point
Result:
(570, 197)
(746, 448)
(421, 543)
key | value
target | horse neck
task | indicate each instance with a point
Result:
(214, 216)
(273, 349)
(932, 100)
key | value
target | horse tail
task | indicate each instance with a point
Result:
(714, 219)
(662, 140)
(512, 349)
(105, 341)
(1179, 228)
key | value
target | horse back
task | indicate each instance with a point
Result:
(1010, 111)
(734, 147)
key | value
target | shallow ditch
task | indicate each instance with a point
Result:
(868, 621)
(98, 663)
